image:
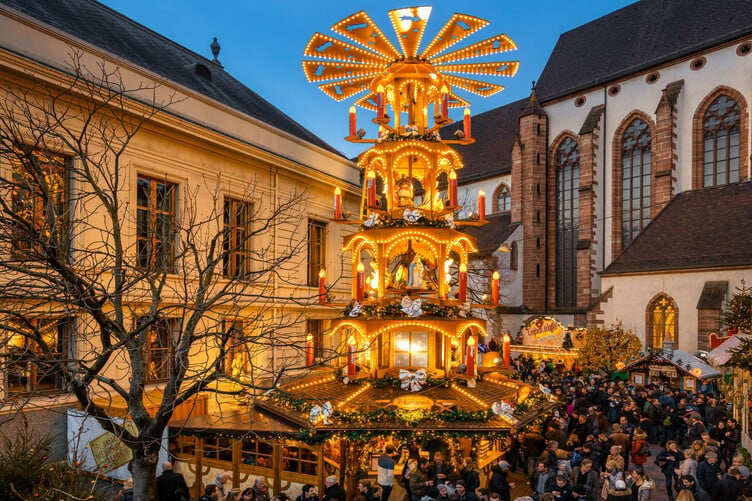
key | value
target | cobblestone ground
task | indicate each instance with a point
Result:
(651, 469)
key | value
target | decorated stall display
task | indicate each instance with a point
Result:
(547, 338)
(671, 367)
(408, 336)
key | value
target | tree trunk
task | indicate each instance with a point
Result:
(145, 475)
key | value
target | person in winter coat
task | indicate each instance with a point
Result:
(730, 487)
(419, 483)
(708, 472)
(470, 475)
(688, 483)
(619, 492)
(688, 466)
(542, 481)
(463, 492)
(639, 450)
(641, 486)
(668, 460)
(332, 490)
(126, 493)
(562, 490)
(585, 475)
(211, 493)
(499, 483)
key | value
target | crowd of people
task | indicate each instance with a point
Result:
(594, 447)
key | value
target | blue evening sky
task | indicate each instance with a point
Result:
(262, 43)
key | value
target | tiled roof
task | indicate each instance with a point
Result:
(637, 37)
(490, 236)
(111, 31)
(491, 153)
(706, 228)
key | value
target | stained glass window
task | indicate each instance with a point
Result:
(721, 135)
(663, 322)
(567, 221)
(635, 179)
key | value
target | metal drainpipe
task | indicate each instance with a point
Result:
(605, 146)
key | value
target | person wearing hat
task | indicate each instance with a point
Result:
(443, 493)
(499, 483)
(619, 492)
(463, 493)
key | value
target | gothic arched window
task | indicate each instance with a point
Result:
(661, 323)
(567, 158)
(635, 180)
(513, 256)
(503, 199)
(721, 128)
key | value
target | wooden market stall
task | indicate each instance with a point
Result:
(673, 368)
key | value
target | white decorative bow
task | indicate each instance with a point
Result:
(545, 390)
(355, 310)
(371, 220)
(412, 308)
(412, 381)
(504, 409)
(411, 216)
(449, 218)
(321, 412)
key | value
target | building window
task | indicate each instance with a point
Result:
(503, 199)
(39, 199)
(235, 363)
(237, 238)
(315, 329)
(316, 250)
(721, 135)
(158, 352)
(567, 221)
(513, 256)
(635, 180)
(155, 233)
(661, 323)
(35, 355)
(411, 349)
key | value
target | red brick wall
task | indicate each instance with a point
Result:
(588, 194)
(528, 206)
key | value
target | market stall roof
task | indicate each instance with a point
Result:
(720, 356)
(684, 361)
(236, 422)
(382, 404)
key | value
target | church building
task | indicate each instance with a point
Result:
(620, 188)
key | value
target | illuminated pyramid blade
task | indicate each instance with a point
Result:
(459, 27)
(498, 69)
(484, 89)
(325, 47)
(368, 102)
(456, 101)
(493, 45)
(343, 89)
(409, 25)
(359, 28)
(320, 71)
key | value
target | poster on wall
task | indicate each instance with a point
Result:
(549, 332)
(100, 451)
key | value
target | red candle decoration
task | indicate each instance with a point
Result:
(495, 288)
(470, 359)
(352, 122)
(466, 123)
(444, 103)
(360, 282)
(322, 287)
(482, 205)
(462, 291)
(371, 188)
(452, 189)
(507, 350)
(309, 350)
(351, 357)
(380, 102)
(337, 203)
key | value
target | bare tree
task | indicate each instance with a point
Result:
(187, 298)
